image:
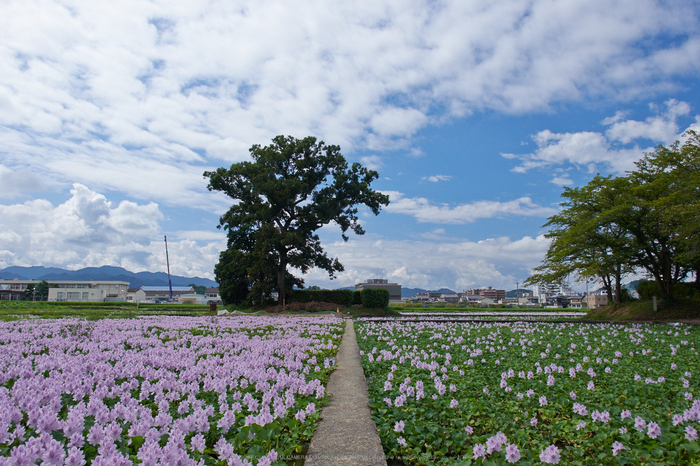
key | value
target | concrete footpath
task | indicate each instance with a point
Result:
(346, 433)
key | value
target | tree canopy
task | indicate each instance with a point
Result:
(644, 221)
(288, 191)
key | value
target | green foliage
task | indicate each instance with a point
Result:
(199, 289)
(646, 221)
(647, 289)
(357, 297)
(341, 297)
(29, 293)
(437, 431)
(375, 297)
(288, 191)
(42, 290)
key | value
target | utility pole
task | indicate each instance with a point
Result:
(167, 259)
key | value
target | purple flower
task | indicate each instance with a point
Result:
(512, 454)
(496, 442)
(398, 427)
(543, 401)
(75, 457)
(550, 455)
(454, 403)
(401, 441)
(617, 447)
(581, 425)
(639, 423)
(469, 430)
(653, 430)
(533, 421)
(198, 443)
(310, 408)
(479, 451)
(626, 414)
(690, 433)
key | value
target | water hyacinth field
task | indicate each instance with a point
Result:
(162, 390)
(534, 393)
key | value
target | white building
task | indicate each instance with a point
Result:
(69, 290)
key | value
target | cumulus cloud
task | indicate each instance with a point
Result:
(587, 149)
(424, 211)
(497, 262)
(193, 86)
(88, 230)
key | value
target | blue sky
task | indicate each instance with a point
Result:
(476, 114)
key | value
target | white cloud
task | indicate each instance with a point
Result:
(436, 178)
(589, 149)
(562, 180)
(424, 211)
(497, 262)
(662, 128)
(14, 183)
(372, 162)
(87, 230)
(197, 84)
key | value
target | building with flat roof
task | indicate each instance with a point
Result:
(488, 292)
(393, 288)
(68, 290)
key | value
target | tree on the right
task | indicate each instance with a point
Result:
(648, 220)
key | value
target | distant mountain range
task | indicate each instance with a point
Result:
(104, 273)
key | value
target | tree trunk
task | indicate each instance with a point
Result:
(618, 287)
(607, 283)
(281, 272)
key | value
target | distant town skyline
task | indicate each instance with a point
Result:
(476, 115)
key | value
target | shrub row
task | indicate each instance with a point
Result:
(341, 297)
(373, 297)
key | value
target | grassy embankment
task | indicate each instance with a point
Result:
(643, 311)
(14, 310)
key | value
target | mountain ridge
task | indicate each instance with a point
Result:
(104, 273)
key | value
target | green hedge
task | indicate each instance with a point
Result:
(375, 297)
(342, 297)
(357, 297)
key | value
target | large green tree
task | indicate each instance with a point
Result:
(587, 241)
(288, 191)
(663, 211)
(647, 220)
